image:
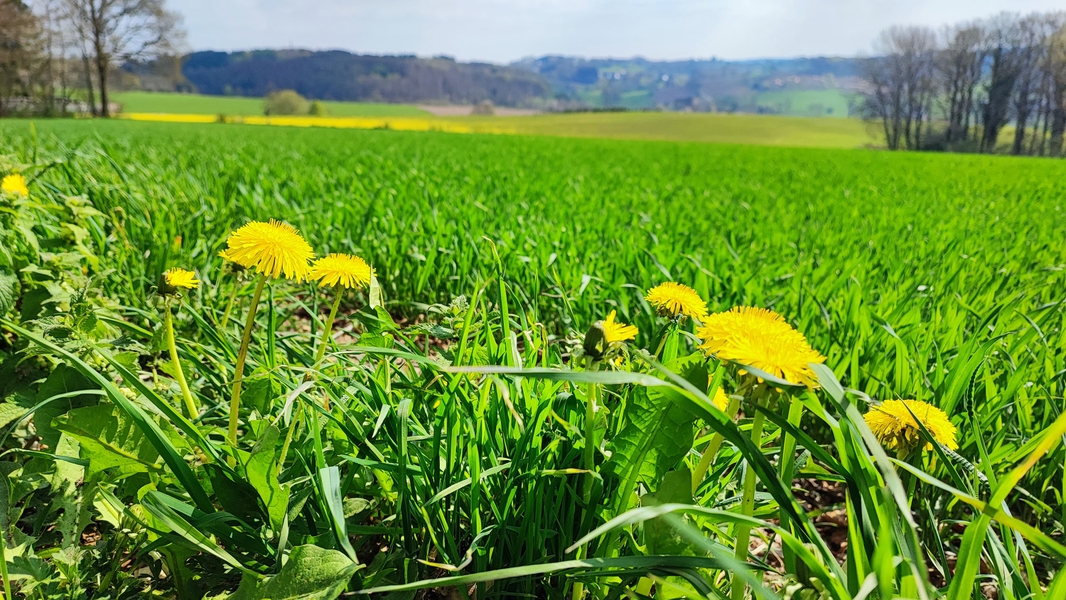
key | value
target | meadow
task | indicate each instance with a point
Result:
(197, 104)
(717, 128)
(473, 421)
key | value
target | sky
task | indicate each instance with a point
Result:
(501, 31)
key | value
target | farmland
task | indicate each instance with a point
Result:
(681, 127)
(473, 419)
(196, 104)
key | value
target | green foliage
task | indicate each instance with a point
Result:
(657, 430)
(285, 103)
(310, 573)
(443, 441)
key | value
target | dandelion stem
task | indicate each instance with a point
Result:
(323, 343)
(242, 356)
(747, 506)
(589, 453)
(590, 435)
(190, 403)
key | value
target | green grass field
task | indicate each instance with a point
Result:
(196, 104)
(471, 422)
(805, 103)
(694, 127)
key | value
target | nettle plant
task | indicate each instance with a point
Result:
(265, 428)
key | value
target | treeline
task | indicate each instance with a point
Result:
(51, 48)
(962, 87)
(338, 75)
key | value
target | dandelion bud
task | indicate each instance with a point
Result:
(606, 333)
(595, 341)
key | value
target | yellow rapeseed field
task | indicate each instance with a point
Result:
(396, 123)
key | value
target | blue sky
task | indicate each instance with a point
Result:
(505, 30)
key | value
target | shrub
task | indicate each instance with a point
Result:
(285, 102)
(483, 109)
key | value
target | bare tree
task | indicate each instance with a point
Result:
(1033, 33)
(904, 82)
(111, 32)
(960, 64)
(19, 54)
(1049, 92)
(1004, 39)
(1057, 95)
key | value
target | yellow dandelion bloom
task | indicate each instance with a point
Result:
(760, 338)
(15, 184)
(720, 400)
(175, 281)
(673, 299)
(182, 279)
(617, 332)
(341, 269)
(275, 249)
(895, 426)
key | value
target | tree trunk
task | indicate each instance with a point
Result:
(1044, 132)
(101, 74)
(1058, 128)
(103, 61)
(1019, 132)
(89, 83)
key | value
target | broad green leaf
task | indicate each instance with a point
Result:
(9, 286)
(110, 441)
(262, 472)
(62, 381)
(660, 537)
(658, 429)
(310, 573)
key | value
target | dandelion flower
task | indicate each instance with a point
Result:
(720, 400)
(896, 428)
(341, 269)
(15, 184)
(759, 338)
(181, 279)
(674, 299)
(617, 332)
(275, 249)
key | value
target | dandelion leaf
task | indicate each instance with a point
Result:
(262, 472)
(660, 536)
(109, 440)
(657, 430)
(311, 573)
(9, 286)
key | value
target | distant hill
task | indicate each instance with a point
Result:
(801, 86)
(338, 75)
(798, 87)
